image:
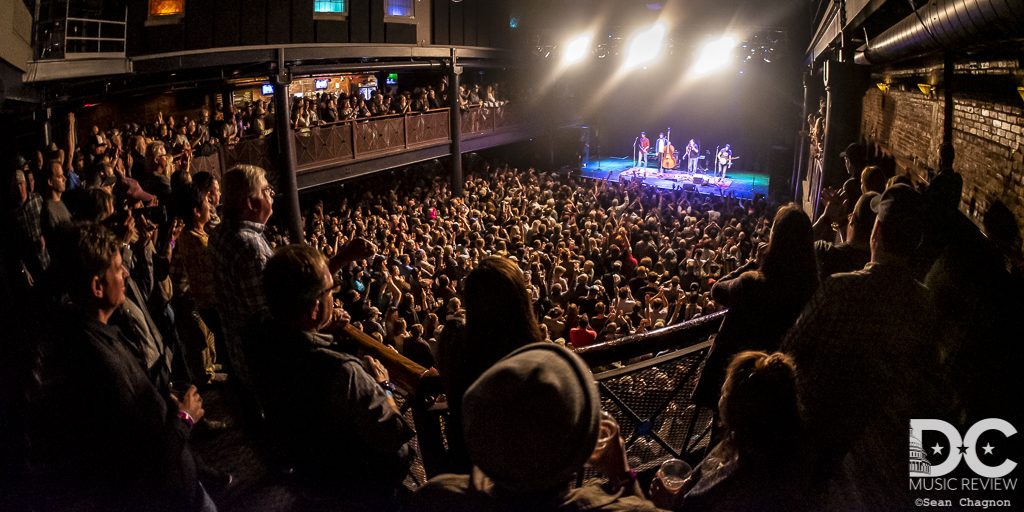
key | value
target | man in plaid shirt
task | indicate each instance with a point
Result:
(26, 231)
(868, 360)
(239, 252)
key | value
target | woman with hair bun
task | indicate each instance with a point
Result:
(757, 465)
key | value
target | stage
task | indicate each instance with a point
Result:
(740, 184)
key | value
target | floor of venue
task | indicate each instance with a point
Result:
(738, 182)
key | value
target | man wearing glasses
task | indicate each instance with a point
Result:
(332, 413)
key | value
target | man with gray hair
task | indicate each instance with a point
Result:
(239, 251)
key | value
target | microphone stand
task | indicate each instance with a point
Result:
(636, 155)
(715, 160)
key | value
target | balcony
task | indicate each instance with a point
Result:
(346, 149)
(71, 47)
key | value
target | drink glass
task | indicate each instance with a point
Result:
(178, 388)
(672, 474)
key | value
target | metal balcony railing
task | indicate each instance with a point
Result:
(70, 37)
(650, 399)
(339, 143)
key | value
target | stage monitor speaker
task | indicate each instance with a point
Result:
(697, 179)
(689, 187)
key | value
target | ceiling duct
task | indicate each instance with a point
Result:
(953, 25)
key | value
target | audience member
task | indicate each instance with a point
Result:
(531, 422)
(764, 297)
(758, 465)
(868, 358)
(332, 413)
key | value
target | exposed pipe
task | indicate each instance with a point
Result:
(952, 25)
(348, 67)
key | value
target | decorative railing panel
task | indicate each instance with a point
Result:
(210, 164)
(429, 127)
(379, 135)
(477, 120)
(255, 151)
(323, 143)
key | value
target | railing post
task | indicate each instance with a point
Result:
(456, 125)
(286, 157)
(352, 126)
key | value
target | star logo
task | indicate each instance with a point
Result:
(937, 449)
(988, 448)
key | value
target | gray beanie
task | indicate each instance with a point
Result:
(531, 420)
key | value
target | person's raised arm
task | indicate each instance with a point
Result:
(72, 141)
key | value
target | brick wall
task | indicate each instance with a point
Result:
(988, 136)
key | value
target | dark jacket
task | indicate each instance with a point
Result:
(324, 410)
(119, 439)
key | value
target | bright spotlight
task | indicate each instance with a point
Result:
(645, 46)
(715, 54)
(576, 49)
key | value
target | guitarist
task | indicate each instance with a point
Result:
(692, 151)
(724, 161)
(660, 146)
(645, 146)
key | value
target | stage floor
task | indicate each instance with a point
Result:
(740, 184)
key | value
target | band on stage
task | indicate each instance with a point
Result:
(722, 160)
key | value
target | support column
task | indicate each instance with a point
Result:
(947, 87)
(47, 128)
(844, 86)
(804, 147)
(286, 158)
(456, 125)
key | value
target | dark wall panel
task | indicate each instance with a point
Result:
(456, 28)
(279, 28)
(226, 23)
(331, 31)
(166, 38)
(400, 33)
(377, 22)
(254, 22)
(135, 35)
(470, 22)
(359, 21)
(302, 21)
(485, 17)
(198, 25)
(439, 23)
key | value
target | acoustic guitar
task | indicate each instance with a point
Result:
(725, 159)
(669, 160)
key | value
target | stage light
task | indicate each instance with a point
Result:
(645, 46)
(714, 55)
(576, 49)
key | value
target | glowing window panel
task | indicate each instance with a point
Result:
(401, 8)
(329, 6)
(166, 7)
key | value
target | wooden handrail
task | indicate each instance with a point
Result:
(627, 347)
(408, 376)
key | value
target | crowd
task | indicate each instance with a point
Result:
(837, 330)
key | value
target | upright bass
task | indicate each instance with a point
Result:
(668, 161)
